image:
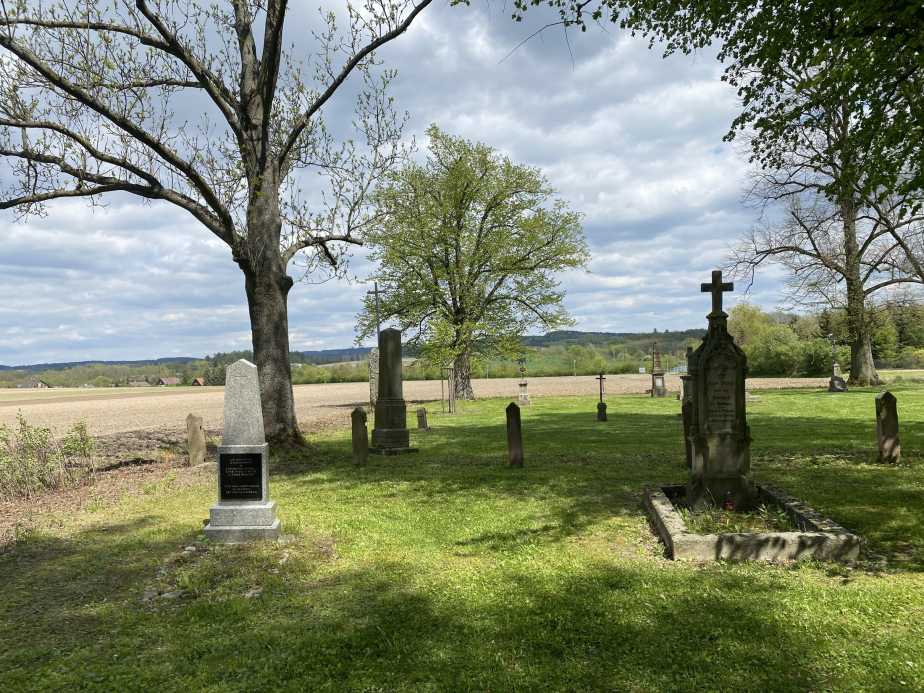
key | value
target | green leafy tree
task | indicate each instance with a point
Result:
(469, 245)
(843, 51)
(747, 322)
(101, 97)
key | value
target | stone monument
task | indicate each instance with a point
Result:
(514, 437)
(195, 440)
(657, 373)
(887, 427)
(601, 405)
(360, 437)
(523, 400)
(390, 435)
(422, 419)
(373, 376)
(837, 383)
(721, 443)
(244, 511)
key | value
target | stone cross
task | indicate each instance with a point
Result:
(717, 288)
(360, 437)
(887, 427)
(195, 440)
(375, 292)
(390, 435)
(601, 379)
(514, 437)
(244, 511)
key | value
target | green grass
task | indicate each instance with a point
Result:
(446, 571)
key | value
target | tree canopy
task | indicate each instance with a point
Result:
(868, 52)
(469, 245)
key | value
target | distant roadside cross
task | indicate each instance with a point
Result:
(601, 379)
(375, 292)
(717, 288)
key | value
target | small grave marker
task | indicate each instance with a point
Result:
(422, 419)
(195, 440)
(887, 427)
(514, 437)
(360, 437)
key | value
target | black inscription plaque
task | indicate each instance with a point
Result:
(240, 476)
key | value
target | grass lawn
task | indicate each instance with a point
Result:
(446, 571)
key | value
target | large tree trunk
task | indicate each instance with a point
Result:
(269, 324)
(463, 369)
(862, 369)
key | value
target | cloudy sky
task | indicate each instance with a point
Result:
(630, 139)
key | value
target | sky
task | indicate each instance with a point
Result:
(632, 140)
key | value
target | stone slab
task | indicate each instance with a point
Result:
(240, 534)
(825, 540)
(258, 515)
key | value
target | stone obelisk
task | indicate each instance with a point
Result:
(244, 511)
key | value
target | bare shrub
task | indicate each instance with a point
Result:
(31, 459)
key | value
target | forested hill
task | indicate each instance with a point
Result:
(668, 341)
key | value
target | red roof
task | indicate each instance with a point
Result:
(141, 384)
(199, 381)
(168, 381)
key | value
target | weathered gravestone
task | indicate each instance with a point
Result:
(837, 382)
(514, 437)
(390, 436)
(601, 405)
(422, 419)
(887, 427)
(195, 440)
(721, 455)
(360, 437)
(658, 389)
(523, 399)
(244, 511)
(373, 376)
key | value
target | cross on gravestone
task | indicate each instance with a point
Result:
(375, 292)
(601, 379)
(717, 288)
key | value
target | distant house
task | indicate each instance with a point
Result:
(199, 381)
(33, 382)
(141, 384)
(163, 382)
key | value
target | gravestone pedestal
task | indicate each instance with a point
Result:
(721, 455)
(601, 411)
(244, 511)
(837, 383)
(523, 399)
(390, 436)
(658, 389)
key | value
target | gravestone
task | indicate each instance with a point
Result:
(721, 455)
(390, 435)
(244, 511)
(523, 399)
(373, 376)
(686, 388)
(360, 437)
(751, 399)
(837, 382)
(195, 440)
(422, 419)
(887, 427)
(658, 388)
(514, 437)
(601, 405)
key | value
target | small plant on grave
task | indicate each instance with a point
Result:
(712, 519)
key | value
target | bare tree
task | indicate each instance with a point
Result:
(92, 97)
(839, 250)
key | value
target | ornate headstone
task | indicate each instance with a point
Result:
(658, 388)
(523, 400)
(360, 437)
(390, 435)
(373, 376)
(721, 455)
(244, 511)
(514, 437)
(195, 440)
(887, 427)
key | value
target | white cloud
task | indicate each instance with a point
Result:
(631, 140)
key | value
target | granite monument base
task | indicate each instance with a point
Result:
(244, 511)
